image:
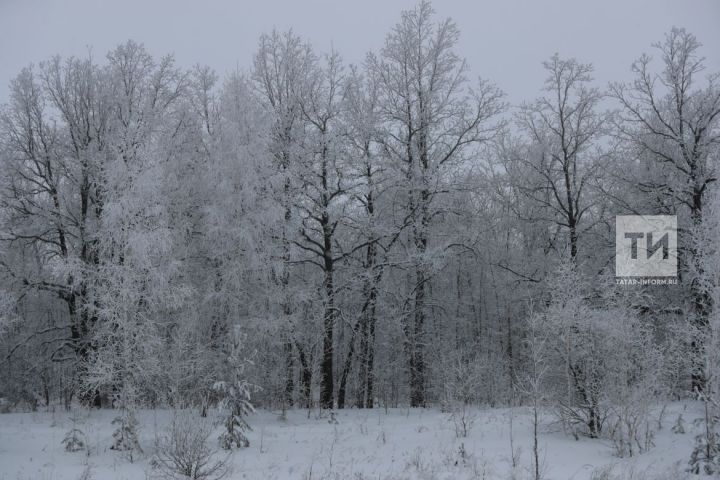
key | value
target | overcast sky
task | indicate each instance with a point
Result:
(504, 41)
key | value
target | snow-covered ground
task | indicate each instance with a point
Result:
(364, 444)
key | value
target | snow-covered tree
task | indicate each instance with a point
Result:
(670, 121)
(234, 394)
(432, 120)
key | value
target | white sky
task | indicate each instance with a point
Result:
(504, 41)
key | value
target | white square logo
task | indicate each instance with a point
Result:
(646, 246)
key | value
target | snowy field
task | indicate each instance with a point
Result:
(369, 444)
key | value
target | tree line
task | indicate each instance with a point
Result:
(382, 234)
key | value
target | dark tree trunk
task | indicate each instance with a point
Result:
(289, 381)
(347, 365)
(367, 349)
(367, 320)
(326, 368)
(305, 378)
(417, 364)
(702, 306)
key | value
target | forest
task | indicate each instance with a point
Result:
(310, 237)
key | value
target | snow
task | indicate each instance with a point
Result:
(364, 444)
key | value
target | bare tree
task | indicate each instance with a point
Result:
(283, 62)
(673, 123)
(431, 121)
(53, 185)
(531, 381)
(559, 167)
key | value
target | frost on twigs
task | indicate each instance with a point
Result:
(462, 382)
(182, 451)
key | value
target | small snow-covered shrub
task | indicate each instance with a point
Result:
(125, 438)
(182, 451)
(417, 461)
(631, 472)
(74, 439)
(705, 457)
(632, 384)
(463, 417)
(234, 395)
(604, 364)
(462, 382)
(679, 426)
(630, 429)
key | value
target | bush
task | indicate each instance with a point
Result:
(125, 438)
(705, 457)
(74, 439)
(630, 429)
(463, 379)
(183, 452)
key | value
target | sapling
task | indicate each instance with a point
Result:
(234, 402)
(679, 426)
(705, 457)
(74, 440)
(531, 382)
(125, 437)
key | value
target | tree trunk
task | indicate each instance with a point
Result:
(367, 348)
(702, 306)
(346, 370)
(305, 378)
(289, 383)
(327, 379)
(417, 366)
